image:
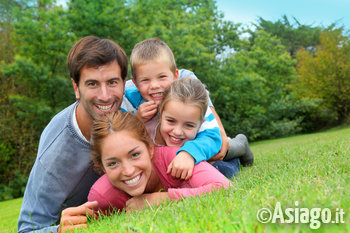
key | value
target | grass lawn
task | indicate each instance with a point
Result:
(306, 171)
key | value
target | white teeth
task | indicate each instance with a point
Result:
(157, 95)
(133, 181)
(105, 108)
(175, 139)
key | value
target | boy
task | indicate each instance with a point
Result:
(153, 69)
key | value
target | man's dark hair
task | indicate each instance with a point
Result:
(93, 52)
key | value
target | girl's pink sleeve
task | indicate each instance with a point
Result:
(205, 178)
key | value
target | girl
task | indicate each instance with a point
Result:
(135, 169)
(182, 112)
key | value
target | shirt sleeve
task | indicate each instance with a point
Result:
(205, 179)
(207, 142)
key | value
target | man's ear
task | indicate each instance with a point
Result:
(176, 74)
(76, 90)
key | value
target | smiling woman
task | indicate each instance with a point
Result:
(136, 170)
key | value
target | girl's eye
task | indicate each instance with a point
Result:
(163, 76)
(144, 80)
(190, 126)
(170, 121)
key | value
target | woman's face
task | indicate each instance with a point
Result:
(179, 122)
(127, 162)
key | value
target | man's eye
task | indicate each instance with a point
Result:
(113, 82)
(91, 84)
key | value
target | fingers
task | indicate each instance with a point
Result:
(84, 209)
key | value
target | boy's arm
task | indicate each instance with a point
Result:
(225, 143)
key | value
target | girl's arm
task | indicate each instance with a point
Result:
(205, 178)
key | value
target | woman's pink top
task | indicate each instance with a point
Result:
(205, 178)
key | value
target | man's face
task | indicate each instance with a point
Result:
(100, 89)
(152, 80)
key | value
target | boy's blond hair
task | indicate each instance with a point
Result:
(151, 50)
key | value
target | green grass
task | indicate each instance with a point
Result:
(312, 169)
(9, 211)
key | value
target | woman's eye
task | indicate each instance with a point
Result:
(112, 164)
(135, 155)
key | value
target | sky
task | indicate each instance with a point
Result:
(307, 12)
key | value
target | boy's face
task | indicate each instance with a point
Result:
(152, 80)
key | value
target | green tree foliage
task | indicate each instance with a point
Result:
(325, 75)
(253, 97)
(293, 36)
(37, 87)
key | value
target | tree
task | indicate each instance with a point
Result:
(253, 97)
(293, 36)
(37, 88)
(325, 75)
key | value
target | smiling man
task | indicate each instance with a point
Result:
(62, 175)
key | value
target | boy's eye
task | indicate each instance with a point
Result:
(144, 80)
(162, 76)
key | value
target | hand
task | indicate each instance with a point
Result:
(76, 217)
(182, 166)
(147, 110)
(148, 199)
(223, 151)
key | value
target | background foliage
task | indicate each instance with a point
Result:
(275, 79)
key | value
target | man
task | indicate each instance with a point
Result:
(62, 174)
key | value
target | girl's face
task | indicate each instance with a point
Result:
(127, 162)
(179, 122)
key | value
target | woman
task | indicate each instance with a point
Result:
(136, 170)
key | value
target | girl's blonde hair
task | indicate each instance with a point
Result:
(189, 91)
(113, 123)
